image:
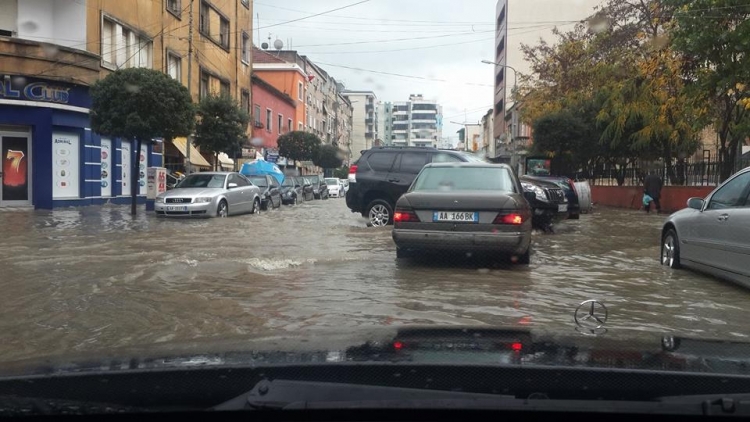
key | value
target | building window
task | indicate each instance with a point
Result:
(209, 15)
(204, 85)
(224, 89)
(289, 125)
(245, 103)
(269, 118)
(245, 48)
(299, 126)
(256, 115)
(224, 32)
(123, 47)
(175, 7)
(300, 93)
(500, 48)
(280, 123)
(174, 66)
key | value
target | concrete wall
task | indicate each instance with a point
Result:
(673, 198)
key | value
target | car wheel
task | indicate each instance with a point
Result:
(525, 258)
(222, 210)
(670, 249)
(379, 213)
(256, 207)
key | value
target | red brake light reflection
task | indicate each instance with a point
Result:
(516, 347)
(397, 345)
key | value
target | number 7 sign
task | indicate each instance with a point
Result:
(15, 158)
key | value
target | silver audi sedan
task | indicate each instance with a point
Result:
(712, 234)
(460, 208)
(209, 194)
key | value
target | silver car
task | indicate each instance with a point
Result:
(712, 235)
(210, 194)
(464, 207)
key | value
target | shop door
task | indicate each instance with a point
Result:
(15, 175)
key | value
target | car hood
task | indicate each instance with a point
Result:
(192, 192)
(435, 345)
(539, 181)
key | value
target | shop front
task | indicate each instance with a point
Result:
(51, 158)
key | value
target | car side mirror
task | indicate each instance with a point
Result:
(695, 203)
(530, 196)
(232, 185)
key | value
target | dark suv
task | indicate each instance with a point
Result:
(383, 174)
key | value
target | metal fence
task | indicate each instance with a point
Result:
(686, 173)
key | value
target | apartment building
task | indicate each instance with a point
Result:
(385, 123)
(364, 120)
(416, 122)
(501, 59)
(51, 51)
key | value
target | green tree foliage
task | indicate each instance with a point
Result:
(140, 104)
(222, 125)
(299, 145)
(341, 173)
(328, 157)
(714, 37)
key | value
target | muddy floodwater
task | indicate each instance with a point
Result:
(90, 279)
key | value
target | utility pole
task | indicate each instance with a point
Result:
(188, 143)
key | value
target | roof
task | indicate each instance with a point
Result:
(260, 56)
(257, 80)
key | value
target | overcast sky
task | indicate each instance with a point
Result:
(431, 39)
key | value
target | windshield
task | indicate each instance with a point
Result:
(464, 179)
(124, 124)
(203, 181)
(259, 181)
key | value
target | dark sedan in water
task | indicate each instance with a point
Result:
(291, 192)
(462, 208)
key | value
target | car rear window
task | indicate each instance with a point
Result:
(464, 178)
(381, 161)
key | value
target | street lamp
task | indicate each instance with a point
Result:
(515, 86)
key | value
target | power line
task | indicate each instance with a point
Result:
(398, 74)
(316, 14)
(397, 39)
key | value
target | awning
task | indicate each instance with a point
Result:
(225, 161)
(196, 158)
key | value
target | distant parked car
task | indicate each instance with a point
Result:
(307, 190)
(291, 191)
(334, 187)
(713, 234)
(568, 187)
(270, 190)
(209, 194)
(344, 186)
(320, 189)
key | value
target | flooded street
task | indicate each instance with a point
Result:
(94, 278)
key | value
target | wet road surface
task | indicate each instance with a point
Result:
(94, 278)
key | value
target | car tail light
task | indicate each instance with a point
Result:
(353, 173)
(513, 219)
(516, 347)
(397, 345)
(405, 216)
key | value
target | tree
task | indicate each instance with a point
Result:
(140, 104)
(341, 173)
(328, 157)
(222, 125)
(558, 135)
(299, 145)
(714, 37)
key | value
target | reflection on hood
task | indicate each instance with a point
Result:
(445, 346)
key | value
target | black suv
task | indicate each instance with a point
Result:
(383, 174)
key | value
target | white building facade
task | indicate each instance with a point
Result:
(364, 129)
(417, 122)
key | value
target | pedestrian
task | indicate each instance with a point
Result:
(652, 188)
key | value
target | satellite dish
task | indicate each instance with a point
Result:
(264, 46)
(278, 44)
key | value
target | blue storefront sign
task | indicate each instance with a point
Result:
(62, 162)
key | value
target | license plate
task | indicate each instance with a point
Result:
(453, 216)
(562, 208)
(176, 208)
